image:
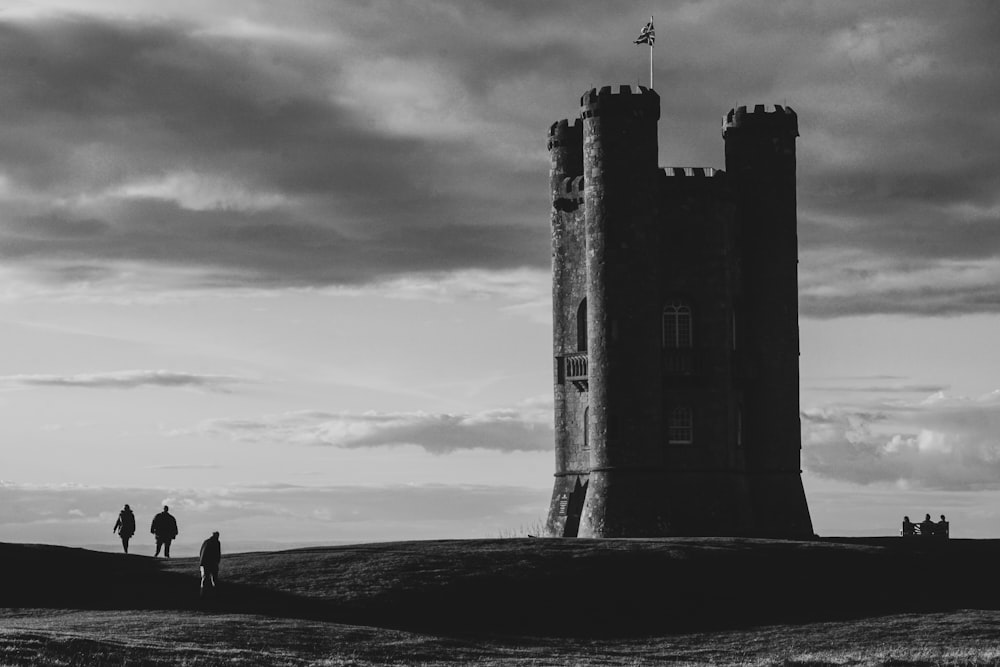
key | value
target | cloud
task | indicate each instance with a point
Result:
(527, 428)
(156, 143)
(942, 442)
(900, 388)
(133, 379)
(310, 147)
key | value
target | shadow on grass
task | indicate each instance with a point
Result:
(533, 587)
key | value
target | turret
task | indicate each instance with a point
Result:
(565, 146)
(623, 337)
(760, 161)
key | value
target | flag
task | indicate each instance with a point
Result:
(647, 35)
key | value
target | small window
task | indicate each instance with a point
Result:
(581, 326)
(734, 327)
(586, 427)
(681, 426)
(677, 329)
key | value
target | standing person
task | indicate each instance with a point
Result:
(125, 526)
(164, 526)
(211, 554)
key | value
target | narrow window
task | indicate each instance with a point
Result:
(677, 329)
(586, 427)
(734, 327)
(681, 426)
(581, 326)
(739, 426)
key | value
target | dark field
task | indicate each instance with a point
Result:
(517, 601)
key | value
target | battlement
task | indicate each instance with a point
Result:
(626, 97)
(564, 133)
(766, 118)
(571, 188)
(704, 172)
(563, 126)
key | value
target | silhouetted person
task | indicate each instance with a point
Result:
(942, 529)
(211, 554)
(125, 526)
(927, 526)
(164, 526)
(907, 526)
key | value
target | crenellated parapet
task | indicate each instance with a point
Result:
(696, 172)
(766, 119)
(635, 100)
(572, 188)
(566, 133)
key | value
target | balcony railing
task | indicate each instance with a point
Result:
(575, 368)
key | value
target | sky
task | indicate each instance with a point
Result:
(285, 266)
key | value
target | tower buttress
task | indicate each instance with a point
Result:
(565, 144)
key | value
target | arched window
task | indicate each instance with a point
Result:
(681, 426)
(677, 329)
(581, 326)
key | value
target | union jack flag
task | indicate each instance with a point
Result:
(647, 35)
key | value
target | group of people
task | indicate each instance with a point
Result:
(164, 528)
(926, 528)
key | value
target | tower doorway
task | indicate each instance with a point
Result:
(575, 508)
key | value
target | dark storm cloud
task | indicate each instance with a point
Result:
(388, 152)
(279, 185)
(255, 248)
(127, 380)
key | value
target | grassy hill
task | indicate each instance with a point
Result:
(544, 592)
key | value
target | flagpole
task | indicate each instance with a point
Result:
(650, 57)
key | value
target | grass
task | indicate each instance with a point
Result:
(512, 602)
(35, 637)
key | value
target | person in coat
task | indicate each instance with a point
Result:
(125, 526)
(211, 554)
(164, 526)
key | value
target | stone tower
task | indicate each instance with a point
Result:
(675, 328)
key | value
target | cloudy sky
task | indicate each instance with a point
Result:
(285, 266)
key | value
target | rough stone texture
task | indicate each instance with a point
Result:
(630, 238)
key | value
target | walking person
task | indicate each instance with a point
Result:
(211, 554)
(125, 526)
(164, 526)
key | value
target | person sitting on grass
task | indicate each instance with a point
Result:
(907, 526)
(927, 526)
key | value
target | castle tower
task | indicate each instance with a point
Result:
(760, 159)
(675, 328)
(623, 339)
